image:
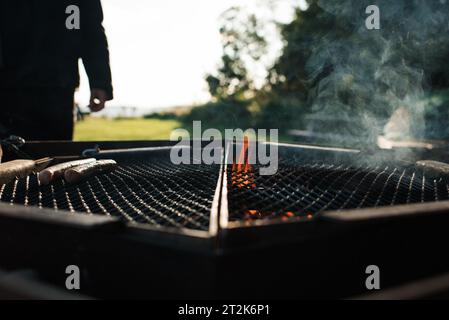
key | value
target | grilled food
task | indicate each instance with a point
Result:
(21, 168)
(434, 169)
(17, 168)
(82, 172)
(53, 173)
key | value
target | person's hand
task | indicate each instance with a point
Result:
(98, 98)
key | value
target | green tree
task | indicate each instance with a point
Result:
(242, 44)
(289, 77)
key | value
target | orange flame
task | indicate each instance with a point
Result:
(242, 171)
(242, 177)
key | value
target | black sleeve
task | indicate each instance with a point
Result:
(1, 52)
(95, 51)
(2, 8)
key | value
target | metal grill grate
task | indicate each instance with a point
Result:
(152, 191)
(304, 187)
(148, 189)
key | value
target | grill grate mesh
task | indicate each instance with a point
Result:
(148, 189)
(304, 187)
(152, 191)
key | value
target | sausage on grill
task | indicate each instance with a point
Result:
(17, 168)
(55, 172)
(434, 169)
(79, 173)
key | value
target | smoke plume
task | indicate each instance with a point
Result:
(364, 77)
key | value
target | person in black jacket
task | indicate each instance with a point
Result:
(39, 55)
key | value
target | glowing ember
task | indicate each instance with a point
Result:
(252, 214)
(243, 177)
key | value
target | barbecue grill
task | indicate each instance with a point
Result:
(148, 189)
(195, 230)
(308, 184)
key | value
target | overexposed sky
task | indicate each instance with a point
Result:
(161, 50)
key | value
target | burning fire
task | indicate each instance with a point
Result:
(242, 171)
(243, 177)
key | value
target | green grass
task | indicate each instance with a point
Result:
(92, 129)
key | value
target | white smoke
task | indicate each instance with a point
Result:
(374, 74)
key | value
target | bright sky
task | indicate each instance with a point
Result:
(161, 50)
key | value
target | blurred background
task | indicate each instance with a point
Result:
(164, 52)
(309, 68)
